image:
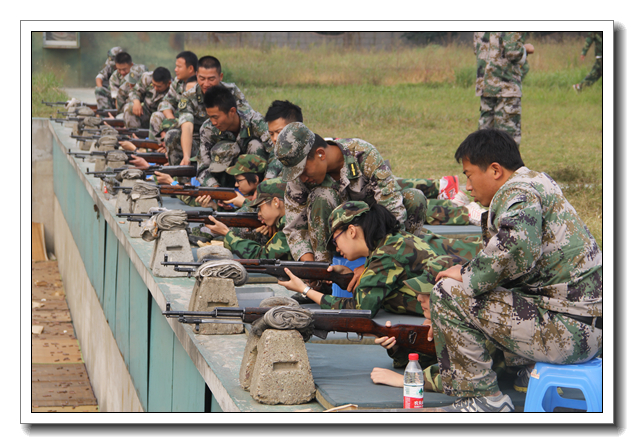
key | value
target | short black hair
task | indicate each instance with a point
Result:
(318, 143)
(162, 75)
(485, 146)
(210, 62)
(283, 109)
(252, 178)
(123, 58)
(376, 224)
(221, 97)
(190, 58)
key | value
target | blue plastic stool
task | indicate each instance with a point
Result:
(338, 260)
(542, 393)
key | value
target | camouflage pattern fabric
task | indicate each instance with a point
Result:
(398, 259)
(275, 248)
(248, 163)
(173, 96)
(539, 263)
(504, 113)
(429, 187)
(597, 69)
(445, 212)
(293, 145)
(102, 93)
(500, 58)
(252, 138)
(144, 92)
(364, 177)
(103, 98)
(173, 146)
(129, 81)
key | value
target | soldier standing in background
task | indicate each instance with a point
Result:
(123, 64)
(535, 289)
(102, 90)
(500, 58)
(597, 69)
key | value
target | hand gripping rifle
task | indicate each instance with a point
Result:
(311, 271)
(242, 220)
(413, 337)
(159, 158)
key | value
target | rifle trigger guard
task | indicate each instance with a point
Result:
(411, 337)
(359, 337)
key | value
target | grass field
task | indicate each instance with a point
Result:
(417, 104)
(46, 86)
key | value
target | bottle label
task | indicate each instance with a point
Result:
(413, 396)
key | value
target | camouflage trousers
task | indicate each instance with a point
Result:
(595, 74)
(158, 125)
(323, 200)
(174, 149)
(103, 98)
(134, 121)
(439, 211)
(525, 332)
(503, 113)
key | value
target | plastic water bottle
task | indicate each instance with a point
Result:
(413, 384)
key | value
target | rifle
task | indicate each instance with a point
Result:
(159, 158)
(139, 143)
(311, 271)
(172, 170)
(111, 122)
(92, 106)
(140, 132)
(242, 220)
(98, 112)
(413, 337)
(216, 193)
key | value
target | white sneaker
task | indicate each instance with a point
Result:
(461, 199)
(475, 213)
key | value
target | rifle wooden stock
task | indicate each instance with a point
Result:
(216, 193)
(172, 170)
(241, 220)
(144, 143)
(413, 337)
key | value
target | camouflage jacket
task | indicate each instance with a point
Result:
(597, 38)
(191, 107)
(123, 86)
(252, 126)
(173, 96)
(145, 93)
(534, 242)
(107, 71)
(365, 177)
(500, 57)
(275, 248)
(397, 259)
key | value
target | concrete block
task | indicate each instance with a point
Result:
(212, 292)
(142, 206)
(281, 374)
(117, 164)
(176, 245)
(100, 163)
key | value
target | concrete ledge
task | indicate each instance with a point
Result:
(109, 376)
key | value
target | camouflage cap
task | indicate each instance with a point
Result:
(114, 51)
(269, 189)
(247, 163)
(293, 145)
(222, 156)
(135, 74)
(344, 214)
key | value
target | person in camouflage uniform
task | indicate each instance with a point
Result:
(398, 265)
(243, 131)
(597, 69)
(270, 207)
(323, 175)
(123, 65)
(102, 90)
(535, 289)
(164, 118)
(146, 92)
(129, 81)
(183, 142)
(500, 58)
